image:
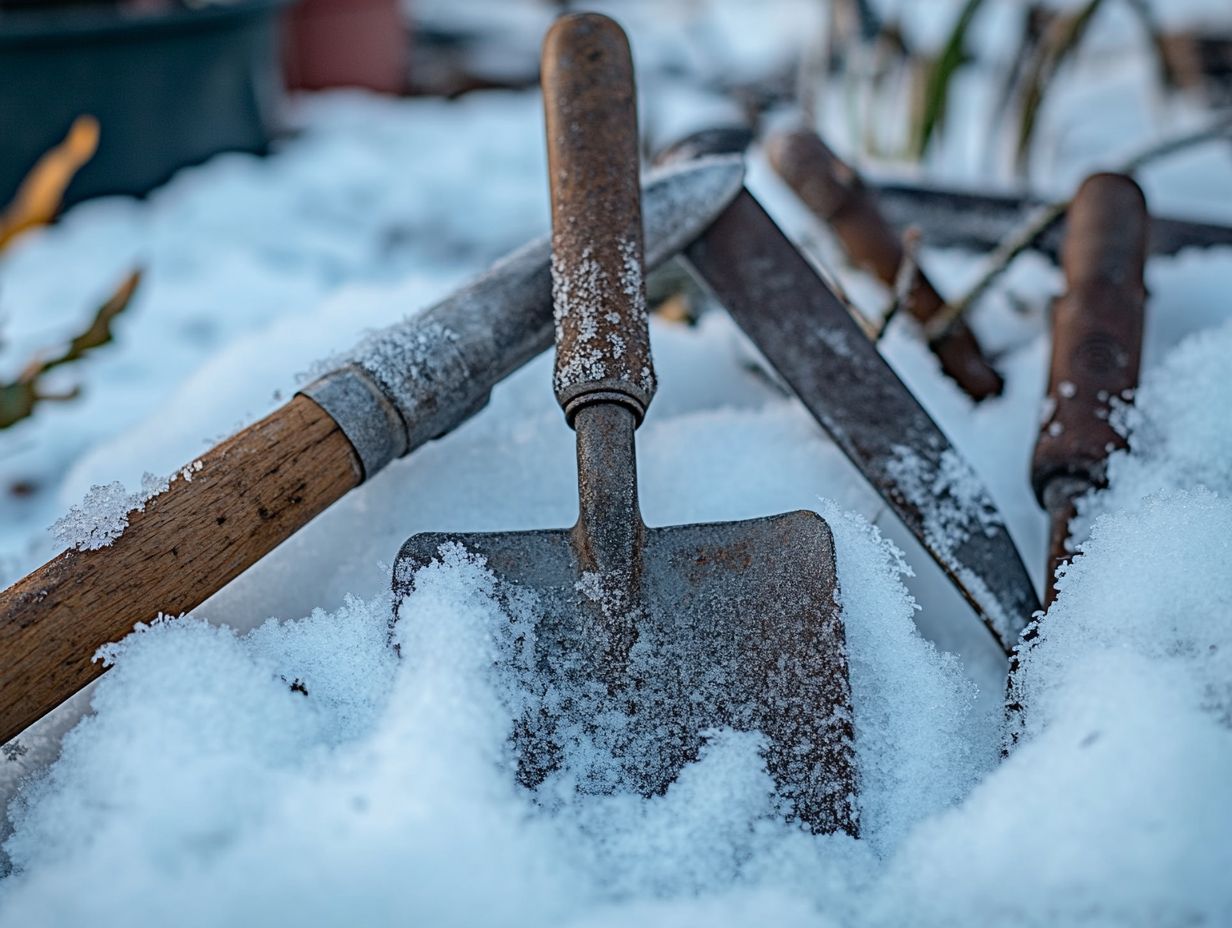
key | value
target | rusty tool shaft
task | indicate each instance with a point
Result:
(1096, 348)
(835, 193)
(604, 376)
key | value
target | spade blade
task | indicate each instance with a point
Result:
(730, 625)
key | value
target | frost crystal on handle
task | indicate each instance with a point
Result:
(581, 293)
(98, 521)
(102, 516)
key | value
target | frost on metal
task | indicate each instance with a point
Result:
(592, 329)
(103, 515)
(459, 348)
(948, 494)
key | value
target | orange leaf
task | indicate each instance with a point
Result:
(39, 197)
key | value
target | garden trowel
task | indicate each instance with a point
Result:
(647, 640)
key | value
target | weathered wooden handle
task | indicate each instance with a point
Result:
(249, 494)
(602, 335)
(1096, 329)
(836, 194)
(1096, 346)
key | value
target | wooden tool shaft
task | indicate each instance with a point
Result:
(602, 335)
(1096, 330)
(248, 495)
(835, 193)
(1096, 344)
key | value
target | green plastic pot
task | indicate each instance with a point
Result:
(170, 87)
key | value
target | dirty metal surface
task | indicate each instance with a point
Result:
(734, 625)
(808, 336)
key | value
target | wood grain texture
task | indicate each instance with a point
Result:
(251, 493)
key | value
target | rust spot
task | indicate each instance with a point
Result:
(733, 557)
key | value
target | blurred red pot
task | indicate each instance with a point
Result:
(348, 43)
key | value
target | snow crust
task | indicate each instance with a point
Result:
(363, 786)
(385, 788)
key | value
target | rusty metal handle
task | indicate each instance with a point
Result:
(1096, 330)
(602, 333)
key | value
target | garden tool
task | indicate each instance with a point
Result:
(981, 221)
(811, 340)
(838, 196)
(398, 389)
(647, 639)
(1096, 350)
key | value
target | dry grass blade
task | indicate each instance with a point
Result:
(940, 75)
(904, 280)
(19, 398)
(38, 198)
(1061, 39)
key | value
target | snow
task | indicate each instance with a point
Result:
(271, 760)
(103, 514)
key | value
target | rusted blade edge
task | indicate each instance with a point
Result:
(979, 221)
(808, 336)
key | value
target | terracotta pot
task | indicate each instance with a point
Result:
(347, 43)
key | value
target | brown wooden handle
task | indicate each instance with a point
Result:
(602, 335)
(251, 493)
(1096, 330)
(836, 194)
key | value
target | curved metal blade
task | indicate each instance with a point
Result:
(808, 336)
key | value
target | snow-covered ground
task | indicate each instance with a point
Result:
(204, 791)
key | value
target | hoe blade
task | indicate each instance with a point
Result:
(732, 625)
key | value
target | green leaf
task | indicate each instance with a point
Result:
(940, 74)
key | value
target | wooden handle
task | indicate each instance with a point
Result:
(836, 194)
(1096, 329)
(251, 493)
(1096, 346)
(602, 334)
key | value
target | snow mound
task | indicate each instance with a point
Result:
(367, 788)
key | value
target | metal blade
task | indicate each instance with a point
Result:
(808, 336)
(735, 625)
(980, 221)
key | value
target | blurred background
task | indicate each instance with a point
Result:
(965, 87)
